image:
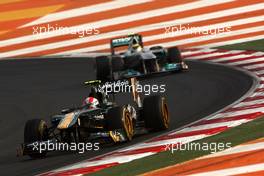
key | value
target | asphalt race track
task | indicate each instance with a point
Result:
(39, 88)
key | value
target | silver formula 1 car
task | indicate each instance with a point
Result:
(100, 118)
(137, 60)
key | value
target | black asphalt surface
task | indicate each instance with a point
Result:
(40, 88)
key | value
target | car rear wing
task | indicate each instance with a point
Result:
(124, 41)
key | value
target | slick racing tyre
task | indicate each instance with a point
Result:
(160, 53)
(120, 118)
(155, 113)
(174, 55)
(35, 131)
(103, 68)
(153, 48)
(117, 63)
(133, 62)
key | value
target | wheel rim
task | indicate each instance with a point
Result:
(128, 124)
(42, 130)
(165, 114)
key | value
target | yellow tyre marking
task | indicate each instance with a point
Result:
(128, 124)
(165, 113)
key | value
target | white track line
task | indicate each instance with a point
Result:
(204, 55)
(238, 149)
(208, 27)
(254, 66)
(261, 78)
(247, 103)
(260, 72)
(84, 11)
(236, 41)
(244, 56)
(246, 61)
(210, 126)
(202, 51)
(106, 160)
(140, 29)
(182, 140)
(237, 113)
(219, 36)
(256, 94)
(165, 44)
(124, 19)
(92, 38)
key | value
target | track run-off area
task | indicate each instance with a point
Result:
(28, 28)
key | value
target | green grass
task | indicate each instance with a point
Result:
(243, 133)
(257, 45)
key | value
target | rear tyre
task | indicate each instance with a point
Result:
(103, 68)
(174, 55)
(120, 118)
(155, 113)
(156, 48)
(35, 130)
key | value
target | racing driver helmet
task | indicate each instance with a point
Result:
(91, 101)
(136, 46)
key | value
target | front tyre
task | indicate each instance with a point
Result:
(155, 113)
(35, 131)
(120, 118)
